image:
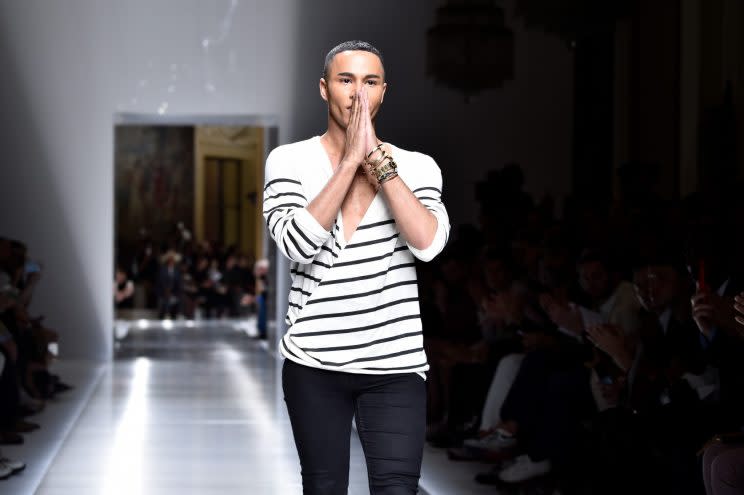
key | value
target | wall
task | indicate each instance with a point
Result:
(528, 120)
(69, 66)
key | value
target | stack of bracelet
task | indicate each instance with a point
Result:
(382, 167)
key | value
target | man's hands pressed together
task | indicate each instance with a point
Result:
(359, 131)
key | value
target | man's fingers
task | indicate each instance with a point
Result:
(365, 110)
(365, 120)
(700, 296)
(703, 308)
(361, 122)
(352, 113)
(739, 308)
(357, 107)
(702, 314)
(595, 329)
(354, 122)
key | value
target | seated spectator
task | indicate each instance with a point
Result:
(542, 413)
(25, 380)
(723, 465)
(710, 260)
(460, 340)
(723, 455)
(551, 276)
(654, 420)
(604, 298)
(123, 290)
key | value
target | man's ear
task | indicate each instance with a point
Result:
(323, 86)
(384, 89)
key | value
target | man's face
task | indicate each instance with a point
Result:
(496, 274)
(594, 279)
(656, 286)
(349, 72)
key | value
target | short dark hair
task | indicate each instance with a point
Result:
(355, 45)
(598, 255)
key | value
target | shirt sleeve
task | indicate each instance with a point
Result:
(706, 341)
(296, 232)
(428, 189)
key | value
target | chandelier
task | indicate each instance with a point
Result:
(469, 49)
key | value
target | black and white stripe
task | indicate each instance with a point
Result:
(353, 306)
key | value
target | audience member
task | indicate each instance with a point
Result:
(26, 382)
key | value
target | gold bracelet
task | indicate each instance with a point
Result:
(387, 177)
(374, 164)
(383, 171)
(378, 147)
(383, 163)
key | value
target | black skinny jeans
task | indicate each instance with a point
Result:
(390, 412)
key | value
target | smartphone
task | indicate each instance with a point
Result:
(32, 267)
(701, 276)
(606, 380)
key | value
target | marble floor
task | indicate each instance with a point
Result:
(197, 410)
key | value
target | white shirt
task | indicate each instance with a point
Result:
(353, 306)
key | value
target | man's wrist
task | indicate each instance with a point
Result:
(347, 166)
(389, 180)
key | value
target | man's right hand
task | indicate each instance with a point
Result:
(739, 316)
(355, 150)
(703, 312)
(565, 316)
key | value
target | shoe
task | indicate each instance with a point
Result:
(62, 387)
(10, 438)
(462, 454)
(444, 440)
(25, 410)
(524, 469)
(468, 454)
(5, 472)
(497, 441)
(14, 466)
(489, 478)
(22, 426)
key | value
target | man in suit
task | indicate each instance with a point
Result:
(169, 286)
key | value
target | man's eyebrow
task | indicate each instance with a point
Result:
(368, 76)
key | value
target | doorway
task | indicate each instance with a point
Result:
(190, 243)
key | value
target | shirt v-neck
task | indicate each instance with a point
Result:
(341, 239)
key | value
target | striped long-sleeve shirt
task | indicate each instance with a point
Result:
(353, 306)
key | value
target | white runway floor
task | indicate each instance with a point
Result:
(189, 411)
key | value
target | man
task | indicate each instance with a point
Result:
(169, 286)
(353, 214)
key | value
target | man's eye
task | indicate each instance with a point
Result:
(346, 80)
(372, 83)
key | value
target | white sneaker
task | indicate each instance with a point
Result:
(495, 442)
(523, 468)
(14, 466)
(5, 471)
